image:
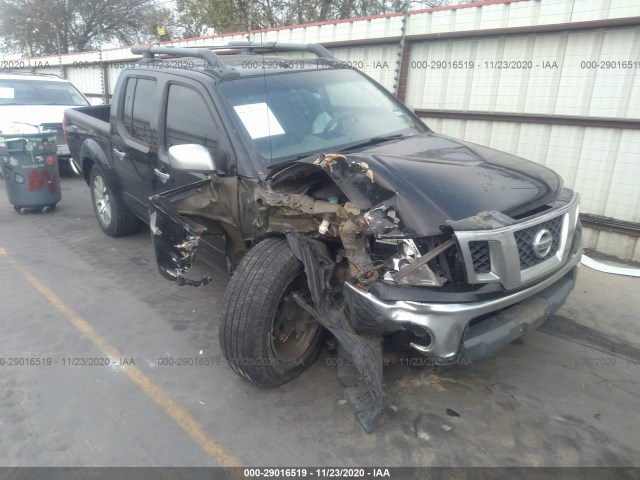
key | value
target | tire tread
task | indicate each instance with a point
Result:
(247, 303)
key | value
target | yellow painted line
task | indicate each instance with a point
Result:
(178, 414)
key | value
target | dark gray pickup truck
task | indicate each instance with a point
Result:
(334, 206)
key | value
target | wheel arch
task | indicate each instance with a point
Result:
(93, 152)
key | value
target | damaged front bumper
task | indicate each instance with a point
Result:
(463, 332)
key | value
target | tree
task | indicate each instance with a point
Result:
(226, 16)
(166, 18)
(44, 27)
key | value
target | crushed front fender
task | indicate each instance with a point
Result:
(176, 237)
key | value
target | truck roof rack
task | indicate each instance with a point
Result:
(216, 64)
(205, 53)
(314, 48)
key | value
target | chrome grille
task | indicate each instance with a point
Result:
(525, 239)
(480, 256)
(509, 251)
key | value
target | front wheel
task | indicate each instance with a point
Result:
(113, 216)
(266, 336)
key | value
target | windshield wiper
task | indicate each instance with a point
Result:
(372, 141)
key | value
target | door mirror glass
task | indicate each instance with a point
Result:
(192, 158)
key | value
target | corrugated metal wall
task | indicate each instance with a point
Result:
(602, 164)
(548, 74)
(569, 63)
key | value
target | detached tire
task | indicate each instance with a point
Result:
(264, 334)
(113, 216)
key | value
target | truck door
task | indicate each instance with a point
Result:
(135, 150)
(191, 118)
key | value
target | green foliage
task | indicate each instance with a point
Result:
(229, 16)
(46, 27)
(43, 27)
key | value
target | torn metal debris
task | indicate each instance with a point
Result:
(358, 238)
(329, 309)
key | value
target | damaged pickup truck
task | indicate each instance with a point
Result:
(337, 208)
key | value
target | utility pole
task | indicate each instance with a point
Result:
(105, 94)
(400, 55)
(59, 54)
(250, 20)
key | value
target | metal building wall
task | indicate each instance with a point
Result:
(581, 119)
(532, 83)
(603, 164)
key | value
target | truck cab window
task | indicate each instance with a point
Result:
(139, 126)
(128, 102)
(189, 120)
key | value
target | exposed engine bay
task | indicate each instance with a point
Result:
(344, 224)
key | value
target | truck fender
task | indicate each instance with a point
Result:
(93, 151)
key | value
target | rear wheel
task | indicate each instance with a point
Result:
(266, 336)
(113, 216)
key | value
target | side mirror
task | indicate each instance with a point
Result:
(192, 158)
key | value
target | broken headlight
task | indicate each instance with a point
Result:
(407, 265)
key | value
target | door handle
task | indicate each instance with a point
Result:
(119, 153)
(161, 175)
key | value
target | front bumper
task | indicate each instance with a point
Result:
(468, 331)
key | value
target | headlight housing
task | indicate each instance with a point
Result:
(399, 271)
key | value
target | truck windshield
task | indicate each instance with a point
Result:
(37, 92)
(292, 115)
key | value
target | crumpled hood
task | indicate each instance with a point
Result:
(431, 179)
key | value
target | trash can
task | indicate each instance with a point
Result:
(30, 169)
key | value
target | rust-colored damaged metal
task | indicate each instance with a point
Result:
(354, 241)
(358, 183)
(215, 204)
(330, 196)
(329, 208)
(333, 219)
(328, 308)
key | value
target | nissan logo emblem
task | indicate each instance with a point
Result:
(542, 243)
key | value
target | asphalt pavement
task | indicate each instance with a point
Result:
(88, 327)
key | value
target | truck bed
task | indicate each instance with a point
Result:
(94, 117)
(85, 123)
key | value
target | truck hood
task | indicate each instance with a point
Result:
(430, 180)
(23, 118)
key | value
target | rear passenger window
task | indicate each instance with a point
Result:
(189, 120)
(128, 102)
(137, 117)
